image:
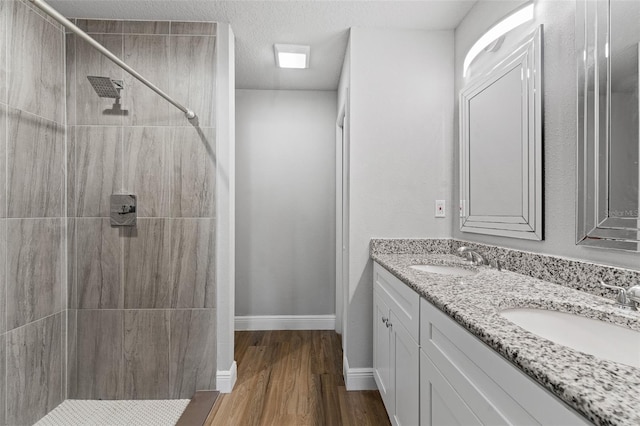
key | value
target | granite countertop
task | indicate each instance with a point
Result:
(605, 392)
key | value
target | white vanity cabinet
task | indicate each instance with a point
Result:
(431, 371)
(396, 311)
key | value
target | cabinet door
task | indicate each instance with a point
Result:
(382, 351)
(405, 366)
(440, 404)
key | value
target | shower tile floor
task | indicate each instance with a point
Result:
(75, 412)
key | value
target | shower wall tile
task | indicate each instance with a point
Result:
(36, 168)
(3, 59)
(99, 26)
(71, 364)
(192, 58)
(72, 288)
(145, 27)
(193, 28)
(146, 354)
(193, 172)
(193, 275)
(34, 263)
(35, 79)
(90, 108)
(193, 351)
(34, 370)
(3, 162)
(147, 169)
(70, 69)
(149, 55)
(3, 381)
(97, 168)
(99, 354)
(147, 264)
(3, 277)
(98, 255)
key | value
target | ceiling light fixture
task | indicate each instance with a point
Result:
(512, 21)
(292, 55)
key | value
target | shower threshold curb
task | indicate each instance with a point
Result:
(198, 409)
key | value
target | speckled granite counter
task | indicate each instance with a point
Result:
(605, 392)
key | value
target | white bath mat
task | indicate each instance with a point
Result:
(76, 412)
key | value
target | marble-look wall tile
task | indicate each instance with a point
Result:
(100, 354)
(36, 169)
(193, 257)
(97, 169)
(147, 169)
(99, 26)
(147, 264)
(191, 64)
(98, 263)
(34, 370)
(193, 352)
(71, 362)
(3, 381)
(70, 69)
(146, 354)
(145, 27)
(193, 172)
(90, 108)
(149, 55)
(35, 63)
(34, 263)
(193, 28)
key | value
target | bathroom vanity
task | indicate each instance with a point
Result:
(443, 354)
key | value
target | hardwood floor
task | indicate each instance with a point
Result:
(293, 378)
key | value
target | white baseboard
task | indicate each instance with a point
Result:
(226, 379)
(357, 379)
(286, 322)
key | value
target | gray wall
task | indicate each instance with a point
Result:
(142, 300)
(285, 195)
(32, 210)
(560, 123)
(401, 136)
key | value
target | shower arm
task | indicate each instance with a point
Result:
(100, 48)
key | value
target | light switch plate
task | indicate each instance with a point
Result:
(440, 208)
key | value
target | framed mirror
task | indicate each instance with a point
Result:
(501, 145)
(608, 46)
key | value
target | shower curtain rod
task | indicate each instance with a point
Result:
(100, 48)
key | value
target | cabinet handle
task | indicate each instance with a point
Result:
(388, 324)
(385, 320)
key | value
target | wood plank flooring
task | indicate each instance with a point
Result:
(293, 378)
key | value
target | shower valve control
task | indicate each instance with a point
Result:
(123, 210)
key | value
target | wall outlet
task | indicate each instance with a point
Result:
(440, 208)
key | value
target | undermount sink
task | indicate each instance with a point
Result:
(598, 338)
(444, 270)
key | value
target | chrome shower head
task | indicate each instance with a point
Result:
(106, 87)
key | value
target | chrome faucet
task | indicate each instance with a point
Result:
(627, 298)
(472, 256)
(478, 259)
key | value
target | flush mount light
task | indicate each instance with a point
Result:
(512, 21)
(292, 55)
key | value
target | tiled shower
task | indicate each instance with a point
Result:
(91, 311)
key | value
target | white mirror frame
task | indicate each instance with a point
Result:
(529, 225)
(594, 225)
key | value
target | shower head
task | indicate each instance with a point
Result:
(106, 87)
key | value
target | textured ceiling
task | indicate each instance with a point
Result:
(259, 24)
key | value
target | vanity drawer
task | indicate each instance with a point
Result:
(403, 301)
